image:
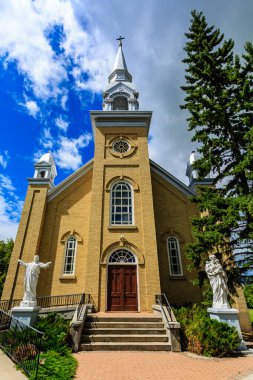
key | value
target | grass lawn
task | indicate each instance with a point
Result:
(251, 314)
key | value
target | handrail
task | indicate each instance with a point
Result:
(162, 300)
(46, 301)
(22, 343)
(78, 320)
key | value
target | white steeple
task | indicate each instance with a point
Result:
(120, 94)
(45, 168)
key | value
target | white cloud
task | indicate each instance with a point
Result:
(32, 107)
(62, 124)
(4, 159)
(24, 29)
(46, 139)
(68, 154)
(10, 208)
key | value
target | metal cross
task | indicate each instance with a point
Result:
(120, 40)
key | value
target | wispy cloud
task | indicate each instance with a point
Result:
(68, 154)
(32, 107)
(46, 139)
(10, 208)
(62, 124)
(4, 157)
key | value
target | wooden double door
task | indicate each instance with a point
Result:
(122, 288)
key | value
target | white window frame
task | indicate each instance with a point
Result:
(112, 223)
(178, 257)
(66, 249)
(122, 251)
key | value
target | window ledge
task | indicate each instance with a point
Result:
(122, 227)
(181, 277)
(67, 277)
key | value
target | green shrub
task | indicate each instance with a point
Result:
(55, 366)
(248, 292)
(205, 336)
(55, 329)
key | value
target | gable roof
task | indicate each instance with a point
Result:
(70, 180)
(171, 179)
(89, 165)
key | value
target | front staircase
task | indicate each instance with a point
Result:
(124, 333)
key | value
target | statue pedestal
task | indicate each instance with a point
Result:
(26, 314)
(229, 316)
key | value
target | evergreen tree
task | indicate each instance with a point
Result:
(5, 255)
(219, 89)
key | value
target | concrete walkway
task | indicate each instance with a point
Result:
(8, 370)
(161, 366)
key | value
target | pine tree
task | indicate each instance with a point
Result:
(219, 95)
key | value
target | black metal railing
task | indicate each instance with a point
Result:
(162, 300)
(46, 301)
(21, 343)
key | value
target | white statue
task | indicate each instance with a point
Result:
(31, 280)
(218, 282)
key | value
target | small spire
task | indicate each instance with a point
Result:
(120, 62)
(120, 40)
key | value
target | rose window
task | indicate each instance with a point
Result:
(121, 146)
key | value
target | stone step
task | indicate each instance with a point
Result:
(124, 331)
(124, 338)
(123, 319)
(130, 346)
(120, 325)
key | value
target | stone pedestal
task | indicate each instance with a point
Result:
(26, 314)
(229, 316)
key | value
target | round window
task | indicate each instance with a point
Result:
(121, 146)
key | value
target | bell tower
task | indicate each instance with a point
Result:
(122, 225)
(120, 93)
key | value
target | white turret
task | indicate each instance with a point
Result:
(120, 94)
(45, 168)
(192, 173)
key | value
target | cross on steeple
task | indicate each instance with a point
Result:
(120, 40)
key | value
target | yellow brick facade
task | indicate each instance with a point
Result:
(80, 207)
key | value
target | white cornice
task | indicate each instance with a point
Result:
(69, 180)
(171, 179)
(120, 118)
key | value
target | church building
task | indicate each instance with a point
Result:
(118, 226)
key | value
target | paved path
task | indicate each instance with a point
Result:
(161, 366)
(8, 370)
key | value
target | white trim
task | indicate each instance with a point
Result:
(132, 199)
(70, 180)
(179, 257)
(67, 275)
(171, 179)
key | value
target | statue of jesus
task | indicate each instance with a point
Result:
(31, 280)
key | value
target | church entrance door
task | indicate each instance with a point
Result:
(122, 288)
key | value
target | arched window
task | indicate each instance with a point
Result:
(122, 256)
(121, 203)
(70, 256)
(120, 103)
(175, 265)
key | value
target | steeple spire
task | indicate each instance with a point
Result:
(120, 93)
(119, 71)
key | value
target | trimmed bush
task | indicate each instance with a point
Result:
(204, 336)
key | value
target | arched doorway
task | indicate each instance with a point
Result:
(122, 292)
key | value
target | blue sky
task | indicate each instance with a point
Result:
(55, 57)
